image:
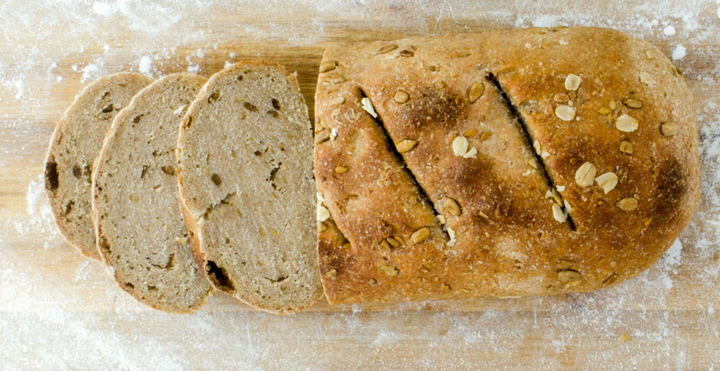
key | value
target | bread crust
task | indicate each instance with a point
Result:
(508, 242)
(74, 146)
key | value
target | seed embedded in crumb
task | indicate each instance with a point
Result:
(626, 146)
(604, 111)
(537, 147)
(338, 100)
(169, 170)
(451, 206)
(558, 213)
(572, 82)
(420, 235)
(533, 163)
(393, 242)
(633, 103)
(401, 96)
(216, 179)
(460, 146)
(612, 105)
(627, 204)
(323, 214)
(328, 66)
(484, 136)
(565, 113)
(472, 153)
(669, 129)
(331, 273)
(368, 106)
(386, 48)
(390, 270)
(607, 181)
(626, 123)
(322, 136)
(475, 91)
(569, 275)
(341, 169)
(321, 227)
(406, 145)
(250, 107)
(585, 175)
(470, 133)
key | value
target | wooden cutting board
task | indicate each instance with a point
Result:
(60, 311)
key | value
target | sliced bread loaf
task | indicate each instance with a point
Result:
(74, 146)
(245, 174)
(140, 228)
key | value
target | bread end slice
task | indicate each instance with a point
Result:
(74, 146)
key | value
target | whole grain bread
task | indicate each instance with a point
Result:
(245, 174)
(74, 145)
(557, 160)
(140, 228)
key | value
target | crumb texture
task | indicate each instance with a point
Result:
(75, 145)
(245, 171)
(141, 230)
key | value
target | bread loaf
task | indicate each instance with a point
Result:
(140, 229)
(503, 164)
(245, 173)
(74, 146)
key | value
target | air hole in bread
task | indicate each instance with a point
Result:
(129, 285)
(105, 246)
(77, 171)
(187, 123)
(280, 279)
(152, 288)
(219, 277)
(108, 108)
(214, 97)
(216, 179)
(52, 180)
(240, 77)
(273, 113)
(144, 171)
(275, 103)
(68, 208)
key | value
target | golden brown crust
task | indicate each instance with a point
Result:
(508, 242)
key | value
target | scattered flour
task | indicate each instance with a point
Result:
(678, 53)
(145, 65)
(669, 31)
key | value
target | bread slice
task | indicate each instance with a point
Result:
(140, 228)
(245, 173)
(74, 146)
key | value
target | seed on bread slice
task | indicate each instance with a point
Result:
(140, 227)
(245, 174)
(74, 146)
